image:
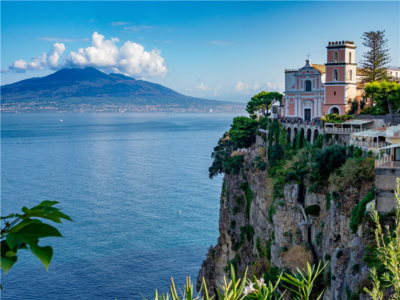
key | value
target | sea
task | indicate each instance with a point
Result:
(122, 178)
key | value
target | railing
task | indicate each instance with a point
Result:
(384, 160)
(368, 144)
(344, 130)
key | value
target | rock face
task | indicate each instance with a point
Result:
(257, 232)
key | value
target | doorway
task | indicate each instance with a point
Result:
(397, 154)
(307, 114)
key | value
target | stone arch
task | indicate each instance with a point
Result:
(309, 135)
(288, 135)
(294, 137)
(301, 137)
(334, 110)
(315, 135)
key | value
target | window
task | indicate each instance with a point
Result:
(350, 59)
(336, 57)
(396, 74)
(308, 85)
(334, 93)
(351, 75)
(335, 75)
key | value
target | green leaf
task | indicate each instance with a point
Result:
(6, 263)
(14, 241)
(38, 230)
(22, 224)
(7, 217)
(43, 253)
(44, 203)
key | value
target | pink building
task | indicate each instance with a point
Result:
(315, 90)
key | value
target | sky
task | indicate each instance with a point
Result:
(214, 50)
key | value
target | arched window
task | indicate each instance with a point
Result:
(336, 57)
(335, 75)
(351, 75)
(396, 74)
(308, 85)
(350, 58)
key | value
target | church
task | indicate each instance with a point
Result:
(315, 90)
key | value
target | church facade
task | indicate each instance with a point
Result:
(315, 90)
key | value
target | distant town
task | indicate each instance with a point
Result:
(57, 107)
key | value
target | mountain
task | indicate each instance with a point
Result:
(91, 86)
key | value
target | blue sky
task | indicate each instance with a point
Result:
(215, 50)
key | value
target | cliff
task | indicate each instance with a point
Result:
(269, 232)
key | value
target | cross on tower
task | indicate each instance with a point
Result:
(308, 56)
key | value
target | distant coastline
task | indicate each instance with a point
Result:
(56, 107)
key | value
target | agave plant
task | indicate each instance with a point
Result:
(304, 281)
(261, 291)
(232, 290)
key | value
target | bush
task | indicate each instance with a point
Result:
(334, 118)
(327, 257)
(313, 210)
(275, 154)
(355, 172)
(263, 123)
(243, 131)
(356, 268)
(339, 254)
(281, 203)
(366, 110)
(220, 154)
(358, 211)
(234, 164)
(318, 238)
(330, 159)
(233, 224)
(328, 200)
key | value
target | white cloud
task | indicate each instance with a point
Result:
(58, 39)
(5, 70)
(217, 89)
(241, 87)
(220, 43)
(119, 23)
(203, 87)
(41, 61)
(130, 59)
(137, 28)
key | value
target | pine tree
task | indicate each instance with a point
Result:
(376, 59)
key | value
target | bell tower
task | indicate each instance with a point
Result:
(340, 80)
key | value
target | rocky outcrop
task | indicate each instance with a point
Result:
(258, 233)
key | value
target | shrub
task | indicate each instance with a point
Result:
(357, 152)
(243, 131)
(328, 200)
(275, 154)
(327, 257)
(271, 212)
(234, 164)
(356, 268)
(220, 154)
(233, 224)
(313, 210)
(263, 123)
(358, 211)
(239, 200)
(290, 176)
(334, 118)
(330, 159)
(236, 210)
(283, 249)
(354, 172)
(318, 238)
(319, 141)
(246, 231)
(366, 110)
(281, 203)
(339, 254)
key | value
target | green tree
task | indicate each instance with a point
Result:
(260, 103)
(23, 231)
(376, 58)
(220, 155)
(243, 131)
(330, 159)
(385, 94)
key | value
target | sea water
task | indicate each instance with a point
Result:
(122, 178)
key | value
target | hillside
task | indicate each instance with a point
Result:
(93, 87)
